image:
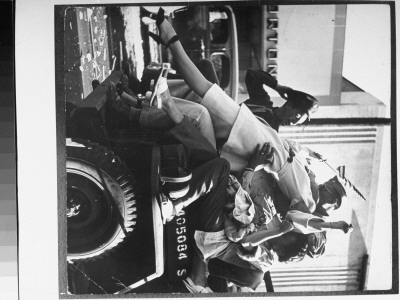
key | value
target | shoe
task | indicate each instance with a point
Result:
(159, 19)
(123, 86)
(114, 102)
(195, 289)
(159, 41)
(145, 13)
(160, 85)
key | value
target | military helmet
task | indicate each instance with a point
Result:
(335, 187)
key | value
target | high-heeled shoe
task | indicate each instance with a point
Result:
(145, 13)
(114, 104)
(159, 86)
(159, 19)
(123, 86)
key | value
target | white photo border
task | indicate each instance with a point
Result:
(37, 144)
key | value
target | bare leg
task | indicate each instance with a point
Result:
(193, 77)
(168, 105)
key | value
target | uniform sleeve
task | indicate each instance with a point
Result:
(261, 77)
(254, 82)
(301, 220)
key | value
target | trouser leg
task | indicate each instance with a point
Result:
(151, 117)
(243, 276)
(197, 147)
(199, 116)
(208, 186)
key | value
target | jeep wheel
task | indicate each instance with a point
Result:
(101, 204)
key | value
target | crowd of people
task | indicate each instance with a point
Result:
(252, 199)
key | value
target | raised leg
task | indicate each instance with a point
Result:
(193, 77)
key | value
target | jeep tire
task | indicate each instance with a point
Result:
(101, 203)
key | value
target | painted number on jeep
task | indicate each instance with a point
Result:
(178, 249)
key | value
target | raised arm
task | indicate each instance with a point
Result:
(323, 225)
(254, 82)
(255, 79)
(256, 238)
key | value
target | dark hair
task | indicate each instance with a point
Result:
(296, 250)
(302, 101)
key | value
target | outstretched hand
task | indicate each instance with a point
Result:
(347, 228)
(261, 157)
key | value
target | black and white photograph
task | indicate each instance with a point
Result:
(240, 148)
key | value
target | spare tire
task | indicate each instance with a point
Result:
(101, 200)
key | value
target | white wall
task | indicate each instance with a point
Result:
(380, 262)
(367, 50)
(367, 64)
(305, 47)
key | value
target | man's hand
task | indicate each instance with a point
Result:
(347, 228)
(261, 157)
(283, 91)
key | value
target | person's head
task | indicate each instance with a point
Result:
(316, 244)
(331, 195)
(297, 109)
(290, 247)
